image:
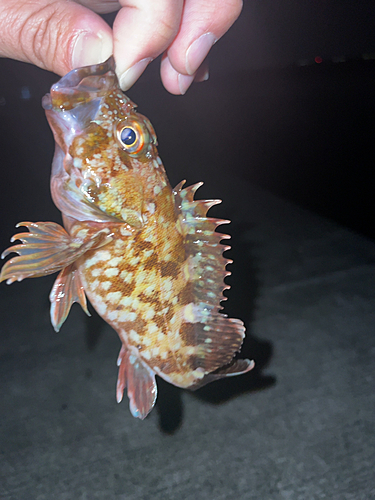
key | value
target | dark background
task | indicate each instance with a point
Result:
(268, 114)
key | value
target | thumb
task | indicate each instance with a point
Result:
(57, 36)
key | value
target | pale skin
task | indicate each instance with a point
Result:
(60, 35)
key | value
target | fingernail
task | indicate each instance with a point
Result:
(205, 76)
(184, 82)
(198, 51)
(131, 75)
(202, 74)
(91, 49)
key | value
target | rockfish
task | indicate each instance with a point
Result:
(146, 255)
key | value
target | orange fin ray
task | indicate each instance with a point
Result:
(46, 249)
(66, 290)
(218, 337)
(140, 382)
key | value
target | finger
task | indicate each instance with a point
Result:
(56, 36)
(174, 82)
(142, 30)
(203, 23)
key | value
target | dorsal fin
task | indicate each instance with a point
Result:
(216, 336)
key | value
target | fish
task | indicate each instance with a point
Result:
(146, 255)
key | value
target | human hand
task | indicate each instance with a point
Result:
(59, 35)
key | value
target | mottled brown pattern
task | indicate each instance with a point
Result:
(177, 252)
(142, 244)
(151, 262)
(161, 323)
(188, 333)
(169, 268)
(186, 295)
(127, 288)
(93, 141)
(150, 300)
(169, 314)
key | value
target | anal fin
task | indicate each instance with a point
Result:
(140, 382)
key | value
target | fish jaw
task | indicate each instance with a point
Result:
(74, 100)
(80, 85)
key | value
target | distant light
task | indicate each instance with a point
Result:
(318, 59)
(25, 93)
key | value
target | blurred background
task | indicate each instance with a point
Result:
(289, 106)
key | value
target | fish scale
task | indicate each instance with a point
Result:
(147, 256)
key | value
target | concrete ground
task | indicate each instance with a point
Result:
(301, 425)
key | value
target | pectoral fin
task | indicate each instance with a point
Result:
(140, 381)
(46, 249)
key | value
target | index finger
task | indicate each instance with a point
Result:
(203, 23)
(142, 30)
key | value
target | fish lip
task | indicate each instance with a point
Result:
(72, 79)
(47, 102)
(81, 84)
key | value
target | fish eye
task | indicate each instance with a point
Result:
(131, 136)
(128, 136)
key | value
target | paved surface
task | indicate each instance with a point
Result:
(300, 426)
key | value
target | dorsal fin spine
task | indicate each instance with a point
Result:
(217, 336)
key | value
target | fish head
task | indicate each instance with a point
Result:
(106, 155)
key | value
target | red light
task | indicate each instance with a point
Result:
(318, 59)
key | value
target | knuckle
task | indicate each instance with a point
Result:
(216, 16)
(40, 34)
(167, 30)
(165, 22)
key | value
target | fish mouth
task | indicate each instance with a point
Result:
(81, 83)
(47, 102)
(77, 77)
